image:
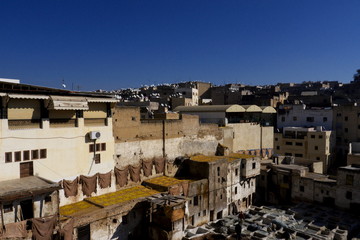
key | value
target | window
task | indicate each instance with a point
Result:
(8, 208)
(91, 148)
(103, 147)
(26, 155)
(338, 114)
(17, 156)
(298, 155)
(294, 118)
(235, 190)
(288, 154)
(310, 119)
(196, 201)
(316, 148)
(218, 171)
(133, 118)
(254, 165)
(8, 157)
(236, 171)
(47, 199)
(302, 188)
(278, 139)
(98, 147)
(348, 195)
(288, 143)
(317, 158)
(277, 147)
(283, 119)
(34, 154)
(285, 179)
(346, 130)
(346, 118)
(43, 153)
(242, 165)
(298, 143)
(324, 119)
(349, 180)
(97, 159)
(312, 136)
(320, 136)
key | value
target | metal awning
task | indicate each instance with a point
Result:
(101, 100)
(68, 103)
(27, 96)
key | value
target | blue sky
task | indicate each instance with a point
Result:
(119, 44)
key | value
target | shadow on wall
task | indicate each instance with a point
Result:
(133, 225)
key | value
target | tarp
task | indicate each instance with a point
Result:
(135, 173)
(70, 187)
(159, 165)
(121, 176)
(67, 229)
(88, 184)
(43, 228)
(147, 168)
(104, 180)
(14, 230)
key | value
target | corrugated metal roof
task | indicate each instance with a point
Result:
(210, 108)
(101, 100)
(27, 96)
(68, 103)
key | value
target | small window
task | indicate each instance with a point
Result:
(310, 119)
(218, 171)
(17, 156)
(8, 157)
(302, 188)
(298, 155)
(320, 136)
(97, 159)
(8, 208)
(324, 119)
(43, 153)
(312, 136)
(317, 158)
(98, 147)
(103, 147)
(254, 165)
(133, 118)
(288, 154)
(236, 171)
(316, 148)
(277, 147)
(278, 139)
(358, 126)
(242, 165)
(26, 155)
(235, 190)
(91, 148)
(220, 196)
(298, 143)
(196, 201)
(348, 195)
(349, 180)
(346, 130)
(346, 118)
(47, 199)
(288, 143)
(294, 118)
(34, 154)
(338, 114)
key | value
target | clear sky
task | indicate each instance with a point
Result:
(127, 43)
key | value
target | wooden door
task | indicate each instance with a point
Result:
(26, 169)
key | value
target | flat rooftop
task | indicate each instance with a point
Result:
(230, 158)
(94, 203)
(25, 186)
(165, 181)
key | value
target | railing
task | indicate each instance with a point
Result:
(60, 123)
(24, 124)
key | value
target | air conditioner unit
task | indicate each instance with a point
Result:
(94, 135)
